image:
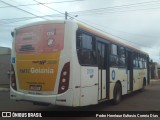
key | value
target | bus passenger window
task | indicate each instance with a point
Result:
(140, 61)
(86, 50)
(140, 64)
(86, 41)
(136, 61)
(114, 49)
(122, 56)
(144, 65)
(113, 56)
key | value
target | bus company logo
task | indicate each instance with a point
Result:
(41, 62)
(37, 71)
(40, 70)
(51, 32)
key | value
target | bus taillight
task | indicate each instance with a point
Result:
(64, 78)
(13, 78)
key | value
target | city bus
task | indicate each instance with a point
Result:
(66, 63)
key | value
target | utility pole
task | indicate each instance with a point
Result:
(66, 15)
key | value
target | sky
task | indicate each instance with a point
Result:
(134, 22)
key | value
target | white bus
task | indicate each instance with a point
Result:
(66, 63)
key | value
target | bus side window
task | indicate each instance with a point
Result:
(114, 56)
(86, 50)
(136, 63)
(122, 56)
(144, 63)
(140, 61)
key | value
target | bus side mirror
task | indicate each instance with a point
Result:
(12, 34)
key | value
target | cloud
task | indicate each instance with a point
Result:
(140, 27)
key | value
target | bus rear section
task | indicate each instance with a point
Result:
(40, 69)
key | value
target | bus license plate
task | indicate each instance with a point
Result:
(35, 87)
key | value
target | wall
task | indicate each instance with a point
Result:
(5, 58)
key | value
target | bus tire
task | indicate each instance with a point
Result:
(117, 94)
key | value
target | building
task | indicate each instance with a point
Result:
(154, 70)
(5, 56)
(159, 71)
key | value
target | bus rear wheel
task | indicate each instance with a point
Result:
(117, 95)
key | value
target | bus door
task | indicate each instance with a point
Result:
(103, 71)
(130, 70)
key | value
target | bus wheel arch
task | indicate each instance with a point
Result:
(117, 93)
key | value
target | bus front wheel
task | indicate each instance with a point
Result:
(117, 94)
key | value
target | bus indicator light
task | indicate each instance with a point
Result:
(13, 78)
(63, 87)
(113, 74)
(64, 73)
(64, 78)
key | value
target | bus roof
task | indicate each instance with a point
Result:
(83, 27)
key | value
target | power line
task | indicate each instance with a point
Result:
(50, 7)
(93, 26)
(22, 9)
(124, 32)
(24, 19)
(113, 11)
(93, 9)
(44, 3)
(83, 23)
(51, 15)
(110, 33)
(18, 21)
(115, 7)
(28, 7)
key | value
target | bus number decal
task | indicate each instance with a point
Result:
(90, 73)
(113, 74)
